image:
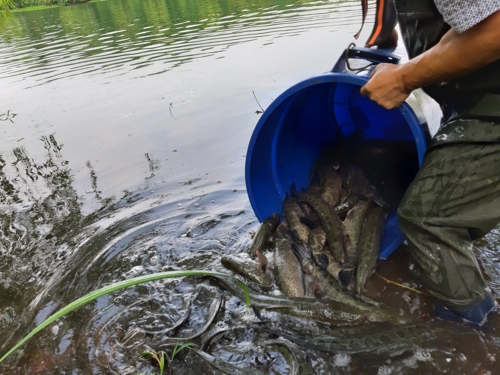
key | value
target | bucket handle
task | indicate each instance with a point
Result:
(376, 56)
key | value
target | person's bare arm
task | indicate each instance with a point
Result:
(454, 56)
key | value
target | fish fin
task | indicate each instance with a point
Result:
(295, 236)
(322, 261)
(300, 251)
(293, 189)
(310, 223)
(345, 277)
(263, 262)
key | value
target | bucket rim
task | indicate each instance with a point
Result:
(328, 77)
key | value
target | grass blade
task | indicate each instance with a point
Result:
(162, 362)
(186, 345)
(117, 286)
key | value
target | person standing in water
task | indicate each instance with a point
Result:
(454, 51)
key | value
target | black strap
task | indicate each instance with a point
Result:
(364, 11)
(385, 21)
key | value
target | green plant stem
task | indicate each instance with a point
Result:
(117, 286)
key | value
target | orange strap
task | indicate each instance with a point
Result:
(379, 21)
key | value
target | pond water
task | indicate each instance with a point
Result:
(123, 140)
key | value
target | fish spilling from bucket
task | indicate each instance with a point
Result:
(326, 247)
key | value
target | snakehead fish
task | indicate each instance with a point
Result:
(369, 246)
(293, 215)
(331, 184)
(332, 291)
(357, 340)
(313, 220)
(355, 181)
(316, 243)
(334, 268)
(331, 312)
(259, 272)
(224, 367)
(331, 223)
(286, 265)
(264, 233)
(353, 224)
(321, 254)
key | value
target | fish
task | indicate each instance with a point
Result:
(212, 314)
(316, 243)
(224, 367)
(322, 255)
(355, 181)
(293, 214)
(257, 272)
(360, 339)
(328, 311)
(313, 220)
(288, 350)
(331, 223)
(353, 224)
(331, 184)
(334, 268)
(287, 268)
(264, 233)
(333, 291)
(368, 247)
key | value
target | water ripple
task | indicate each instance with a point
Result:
(87, 45)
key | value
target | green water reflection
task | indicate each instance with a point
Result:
(113, 33)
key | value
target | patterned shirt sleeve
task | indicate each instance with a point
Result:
(463, 14)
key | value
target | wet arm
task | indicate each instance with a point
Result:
(454, 56)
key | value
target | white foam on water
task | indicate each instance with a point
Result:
(341, 360)
(385, 370)
(423, 355)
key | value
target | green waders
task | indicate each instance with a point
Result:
(455, 197)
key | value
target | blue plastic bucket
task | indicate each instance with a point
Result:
(297, 125)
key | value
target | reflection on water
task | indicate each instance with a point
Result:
(121, 35)
(111, 170)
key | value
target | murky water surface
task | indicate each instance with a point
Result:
(123, 137)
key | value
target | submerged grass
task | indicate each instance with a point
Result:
(401, 285)
(117, 286)
(159, 357)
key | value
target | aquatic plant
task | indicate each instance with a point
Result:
(160, 356)
(122, 285)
